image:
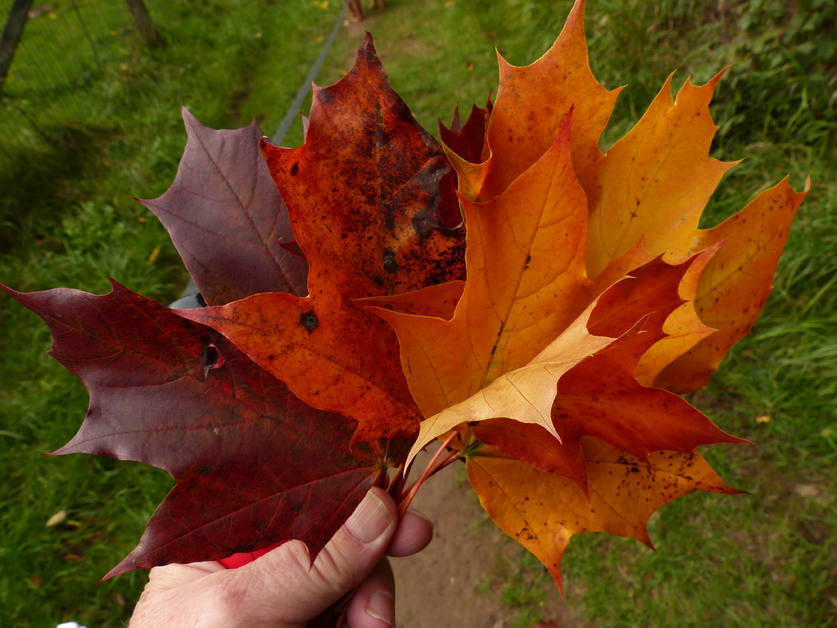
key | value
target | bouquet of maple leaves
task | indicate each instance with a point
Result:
(532, 302)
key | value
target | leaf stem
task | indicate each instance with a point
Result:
(396, 485)
(430, 469)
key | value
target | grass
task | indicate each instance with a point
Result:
(112, 130)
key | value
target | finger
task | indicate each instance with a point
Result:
(414, 533)
(282, 587)
(373, 604)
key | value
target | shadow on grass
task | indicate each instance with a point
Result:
(38, 181)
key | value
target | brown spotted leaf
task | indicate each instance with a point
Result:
(542, 511)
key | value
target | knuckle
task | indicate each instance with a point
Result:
(335, 569)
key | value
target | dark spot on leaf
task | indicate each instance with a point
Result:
(211, 358)
(294, 169)
(424, 224)
(390, 210)
(309, 321)
(390, 265)
(381, 136)
(634, 470)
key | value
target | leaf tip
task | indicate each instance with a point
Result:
(189, 119)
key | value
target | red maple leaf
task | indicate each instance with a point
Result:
(254, 465)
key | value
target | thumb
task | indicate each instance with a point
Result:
(283, 588)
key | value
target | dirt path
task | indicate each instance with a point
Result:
(437, 588)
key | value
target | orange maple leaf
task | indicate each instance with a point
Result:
(526, 283)
(543, 510)
(532, 104)
(649, 188)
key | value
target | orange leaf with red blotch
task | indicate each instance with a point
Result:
(600, 396)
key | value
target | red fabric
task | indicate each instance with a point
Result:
(239, 560)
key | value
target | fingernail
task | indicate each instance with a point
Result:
(370, 520)
(381, 606)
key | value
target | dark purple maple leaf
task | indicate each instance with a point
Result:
(254, 465)
(226, 218)
(468, 140)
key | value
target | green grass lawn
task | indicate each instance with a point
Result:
(768, 558)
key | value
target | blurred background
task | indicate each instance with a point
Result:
(90, 117)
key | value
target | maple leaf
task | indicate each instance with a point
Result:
(254, 465)
(467, 141)
(518, 261)
(531, 106)
(542, 510)
(640, 188)
(365, 195)
(226, 217)
(601, 397)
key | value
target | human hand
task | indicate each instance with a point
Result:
(281, 589)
